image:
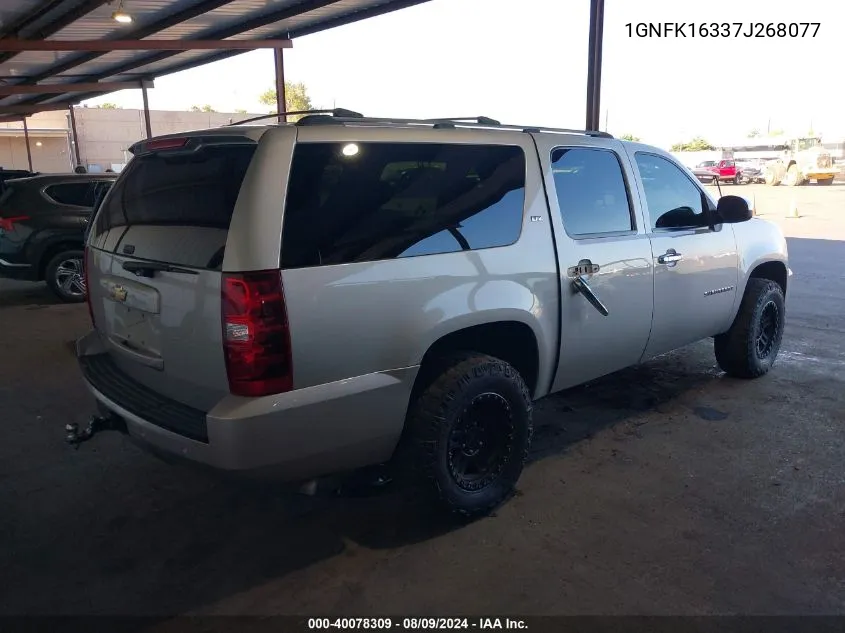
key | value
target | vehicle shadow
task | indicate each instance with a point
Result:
(259, 536)
(26, 293)
(162, 539)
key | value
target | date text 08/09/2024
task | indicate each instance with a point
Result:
(417, 624)
(723, 29)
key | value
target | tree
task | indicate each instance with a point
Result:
(776, 132)
(755, 133)
(296, 98)
(240, 111)
(203, 108)
(629, 137)
(697, 144)
(109, 106)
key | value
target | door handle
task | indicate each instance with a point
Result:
(580, 284)
(670, 257)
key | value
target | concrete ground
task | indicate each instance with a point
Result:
(663, 489)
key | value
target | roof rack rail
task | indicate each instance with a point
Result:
(318, 118)
(335, 112)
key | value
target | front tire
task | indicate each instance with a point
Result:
(793, 176)
(469, 433)
(65, 277)
(750, 347)
(771, 179)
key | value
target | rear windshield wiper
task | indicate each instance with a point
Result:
(148, 269)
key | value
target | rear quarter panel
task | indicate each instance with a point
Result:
(354, 319)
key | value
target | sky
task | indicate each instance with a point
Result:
(525, 62)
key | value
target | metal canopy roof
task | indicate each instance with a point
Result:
(185, 20)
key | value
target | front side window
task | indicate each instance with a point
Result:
(673, 200)
(100, 191)
(358, 202)
(591, 192)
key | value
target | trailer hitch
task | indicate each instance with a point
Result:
(96, 423)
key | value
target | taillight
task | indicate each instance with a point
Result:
(165, 143)
(86, 264)
(8, 224)
(256, 338)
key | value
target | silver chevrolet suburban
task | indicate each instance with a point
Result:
(317, 297)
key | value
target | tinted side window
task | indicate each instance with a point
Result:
(591, 191)
(79, 194)
(357, 202)
(673, 200)
(10, 193)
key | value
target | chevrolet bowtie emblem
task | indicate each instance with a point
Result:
(118, 293)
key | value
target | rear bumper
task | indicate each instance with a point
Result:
(298, 435)
(11, 270)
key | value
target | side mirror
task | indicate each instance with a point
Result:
(733, 210)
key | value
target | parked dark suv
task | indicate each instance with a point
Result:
(42, 229)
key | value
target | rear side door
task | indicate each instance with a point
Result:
(49, 214)
(75, 201)
(604, 257)
(156, 251)
(695, 266)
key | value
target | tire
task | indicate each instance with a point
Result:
(445, 435)
(737, 179)
(793, 176)
(65, 277)
(761, 317)
(826, 182)
(771, 179)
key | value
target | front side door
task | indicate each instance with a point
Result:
(695, 266)
(604, 259)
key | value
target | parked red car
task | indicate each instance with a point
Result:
(725, 170)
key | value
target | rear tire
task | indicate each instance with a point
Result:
(750, 347)
(469, 432)
(65, 277)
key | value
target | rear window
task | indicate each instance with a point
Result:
(358, 202)
(198, 189)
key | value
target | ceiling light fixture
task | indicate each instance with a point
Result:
(120, 15)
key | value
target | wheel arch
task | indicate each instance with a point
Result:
(773, 270)
(52, 249)
(511, 340)
(763, 254)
